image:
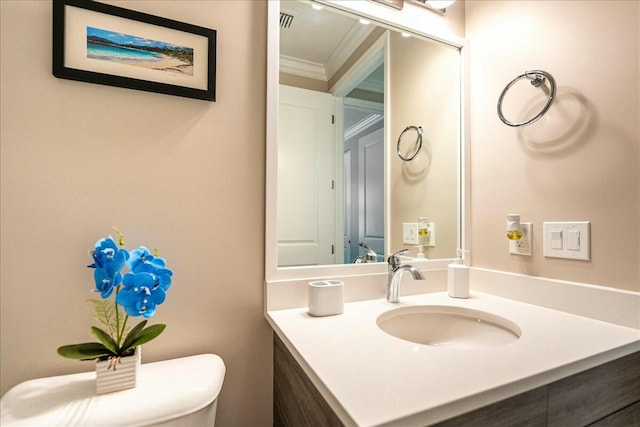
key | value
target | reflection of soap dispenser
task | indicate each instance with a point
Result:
(458, 278)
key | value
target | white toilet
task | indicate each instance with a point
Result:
(178, 392)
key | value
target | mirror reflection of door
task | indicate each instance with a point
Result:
(306, 190)
(363, 178)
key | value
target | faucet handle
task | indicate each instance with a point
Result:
(371, 255)
(394, 260)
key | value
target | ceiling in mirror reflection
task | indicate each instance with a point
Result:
(317, 43)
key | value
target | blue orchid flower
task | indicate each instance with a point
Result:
(142, 256)
(141, 293)
(162, 276)
(142, 261)
(105, 282)
(108, 260)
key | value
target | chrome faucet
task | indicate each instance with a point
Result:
(370, 256)
(395, 275)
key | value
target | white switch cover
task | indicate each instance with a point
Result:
(575, 240)
(410, 233)
(556, 239)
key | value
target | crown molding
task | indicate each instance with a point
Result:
(363, 124)
(302, 68)
(354, 38)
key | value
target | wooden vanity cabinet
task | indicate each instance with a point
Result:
(296, 401)
(607, 395)
(604, 396)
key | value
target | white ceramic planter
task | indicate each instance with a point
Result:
(113, 375)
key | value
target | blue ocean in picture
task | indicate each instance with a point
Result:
(116, 53)
(127, 49)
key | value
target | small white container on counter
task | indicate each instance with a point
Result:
(458, 281)
(326, 297)
(458, 277)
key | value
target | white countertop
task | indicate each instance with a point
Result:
(371, 378)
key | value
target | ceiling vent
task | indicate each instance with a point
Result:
(285, 20)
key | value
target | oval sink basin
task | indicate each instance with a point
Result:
(448, 326)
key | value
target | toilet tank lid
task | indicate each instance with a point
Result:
(164, 391)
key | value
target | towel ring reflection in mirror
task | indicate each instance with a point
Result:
(537, 77)
(417, 143)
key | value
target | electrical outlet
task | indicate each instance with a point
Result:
(431, 236)
(523, 245)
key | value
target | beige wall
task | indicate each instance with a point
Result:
(184, 175)
(425, 93)
(581, 161)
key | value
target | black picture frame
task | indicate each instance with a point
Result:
(181, 57)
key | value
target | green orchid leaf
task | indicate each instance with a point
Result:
(105, 339)
(84, 351)
(148, 334)
(133, 335)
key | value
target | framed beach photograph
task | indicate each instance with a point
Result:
(104, 44)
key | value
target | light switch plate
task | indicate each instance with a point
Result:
(556, 239)
(410, 233)
(575, 243)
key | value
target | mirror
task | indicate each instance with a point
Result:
(347, 91)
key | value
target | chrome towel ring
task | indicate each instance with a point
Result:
(418, 142)
(537, 78)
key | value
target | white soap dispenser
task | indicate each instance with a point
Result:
(458, 278)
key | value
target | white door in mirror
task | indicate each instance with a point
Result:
(306, 197)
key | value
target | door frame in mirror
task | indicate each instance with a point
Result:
(409, 19)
